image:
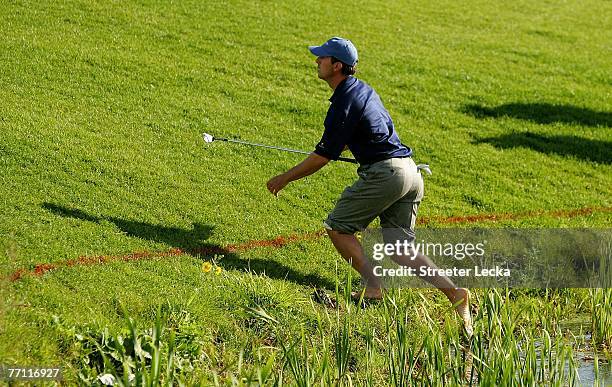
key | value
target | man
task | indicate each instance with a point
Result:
(389, 185)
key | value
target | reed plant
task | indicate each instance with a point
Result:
(601, 318)
(504, 350)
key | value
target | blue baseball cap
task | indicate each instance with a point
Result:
(339, 48)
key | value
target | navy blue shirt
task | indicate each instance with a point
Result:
(357, 118)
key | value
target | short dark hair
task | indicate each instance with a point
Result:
(346, 69)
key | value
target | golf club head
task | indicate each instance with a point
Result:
(208, 138)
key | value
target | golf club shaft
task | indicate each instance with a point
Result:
(346, 159)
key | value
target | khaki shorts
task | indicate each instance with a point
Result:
(391, 189)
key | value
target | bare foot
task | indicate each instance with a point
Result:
(368, 294)
(461, 297)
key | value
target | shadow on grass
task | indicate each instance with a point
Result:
(543, 113)
(563, 145)
(193, 242)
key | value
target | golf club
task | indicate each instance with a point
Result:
(208, 138)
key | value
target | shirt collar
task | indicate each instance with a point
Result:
(343, 87)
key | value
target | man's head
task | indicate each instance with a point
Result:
(335, 58)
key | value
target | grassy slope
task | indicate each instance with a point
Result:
(102, 107)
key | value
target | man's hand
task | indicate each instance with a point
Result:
(277, 183)
(310, 165)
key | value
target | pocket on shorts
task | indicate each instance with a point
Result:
(380, 173)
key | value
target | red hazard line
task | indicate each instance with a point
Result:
(281, 241)
(512, 216)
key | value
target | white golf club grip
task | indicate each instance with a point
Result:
(424, 167)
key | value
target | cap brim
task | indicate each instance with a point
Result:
(318, 51)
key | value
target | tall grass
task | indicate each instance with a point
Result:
(511, 346)
(162, 355)
(601, 318)
(601, 301)
(501, 352)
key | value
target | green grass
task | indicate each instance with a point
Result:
(102, 108)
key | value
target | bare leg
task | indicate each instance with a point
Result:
(459, 296)
(349, 247)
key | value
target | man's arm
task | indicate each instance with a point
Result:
(310, 165)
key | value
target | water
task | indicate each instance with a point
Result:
(585, 355)
(586, 371)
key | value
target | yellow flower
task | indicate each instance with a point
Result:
(218, 270)
(206, 267)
